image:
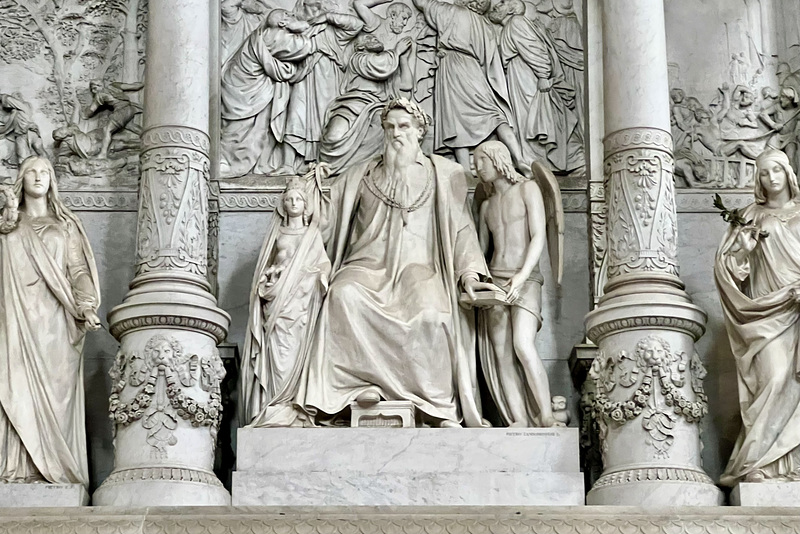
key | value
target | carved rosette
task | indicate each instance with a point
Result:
(173, 201)
(642, 230)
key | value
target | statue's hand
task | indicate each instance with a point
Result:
(471, 285)
(403, 46)
(512, 287)
(92, 320)
(746, 240)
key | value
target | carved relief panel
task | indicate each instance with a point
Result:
(737, 98)
(72, 72)
(307, 82)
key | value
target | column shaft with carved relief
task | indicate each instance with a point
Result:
(165, 398)
(647, 390)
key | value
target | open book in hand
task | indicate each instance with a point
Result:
(486, 298)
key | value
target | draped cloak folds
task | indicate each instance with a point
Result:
(279, 330)
(470, 94)
(41, 343)
(366, 90)
(547, 121)
(761, 317)
(391, 322)
(254, 94)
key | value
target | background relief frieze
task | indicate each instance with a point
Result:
(72, 73)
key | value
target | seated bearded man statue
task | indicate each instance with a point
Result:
(403, 246)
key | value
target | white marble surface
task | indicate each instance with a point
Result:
(766, 494)
(327, 467)
(164, 492)
(652, 494)
(38, 495)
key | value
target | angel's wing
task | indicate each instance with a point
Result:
(554, 213)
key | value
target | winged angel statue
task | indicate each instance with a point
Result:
(515, 221)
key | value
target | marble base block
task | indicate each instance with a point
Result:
(42, 495)
(766, 494)
(407, 467)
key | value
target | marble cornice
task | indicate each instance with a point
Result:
(432, 520)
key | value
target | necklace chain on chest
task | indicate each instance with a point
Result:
(393, 202)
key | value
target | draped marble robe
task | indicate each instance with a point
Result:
(761, 317)
(366, 90)
(470, 94)
(254, 94)
(280, 325)
(547, 121)
(391, 322)
(42, 429)
(315, 85)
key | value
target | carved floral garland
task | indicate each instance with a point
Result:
(197, 413)
(630, 409)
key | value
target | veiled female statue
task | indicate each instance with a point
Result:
(49, 295)
(290, 281)
(757, 272)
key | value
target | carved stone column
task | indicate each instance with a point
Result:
(648, 396)
(165, 398)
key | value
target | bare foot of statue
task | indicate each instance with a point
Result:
(447, 423)
(368, 398)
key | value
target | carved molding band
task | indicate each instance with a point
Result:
(481, 521)
(101, 201)
(176, 136)
(162, 473)
(688, 201)
(599, 331)
(632, 138)
(652, 474)
(200, 325)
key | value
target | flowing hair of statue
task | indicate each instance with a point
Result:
(54, 202)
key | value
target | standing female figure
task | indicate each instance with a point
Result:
(757, 272)
(49, 294)
(290, 280)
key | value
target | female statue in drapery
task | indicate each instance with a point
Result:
(49, 294)
(757, 272)
(290, 281)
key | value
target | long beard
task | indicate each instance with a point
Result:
(397, 159)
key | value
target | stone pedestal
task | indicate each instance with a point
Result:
(407, 467)
(42, 495)
(766, 494)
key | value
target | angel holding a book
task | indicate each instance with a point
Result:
(515, 222)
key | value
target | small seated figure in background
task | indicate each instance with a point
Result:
(757, 272)
(513, 223)
(290, 281)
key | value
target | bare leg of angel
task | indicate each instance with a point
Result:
(524, 326)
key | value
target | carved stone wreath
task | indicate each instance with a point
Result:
(654, 369)
(164, 358)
